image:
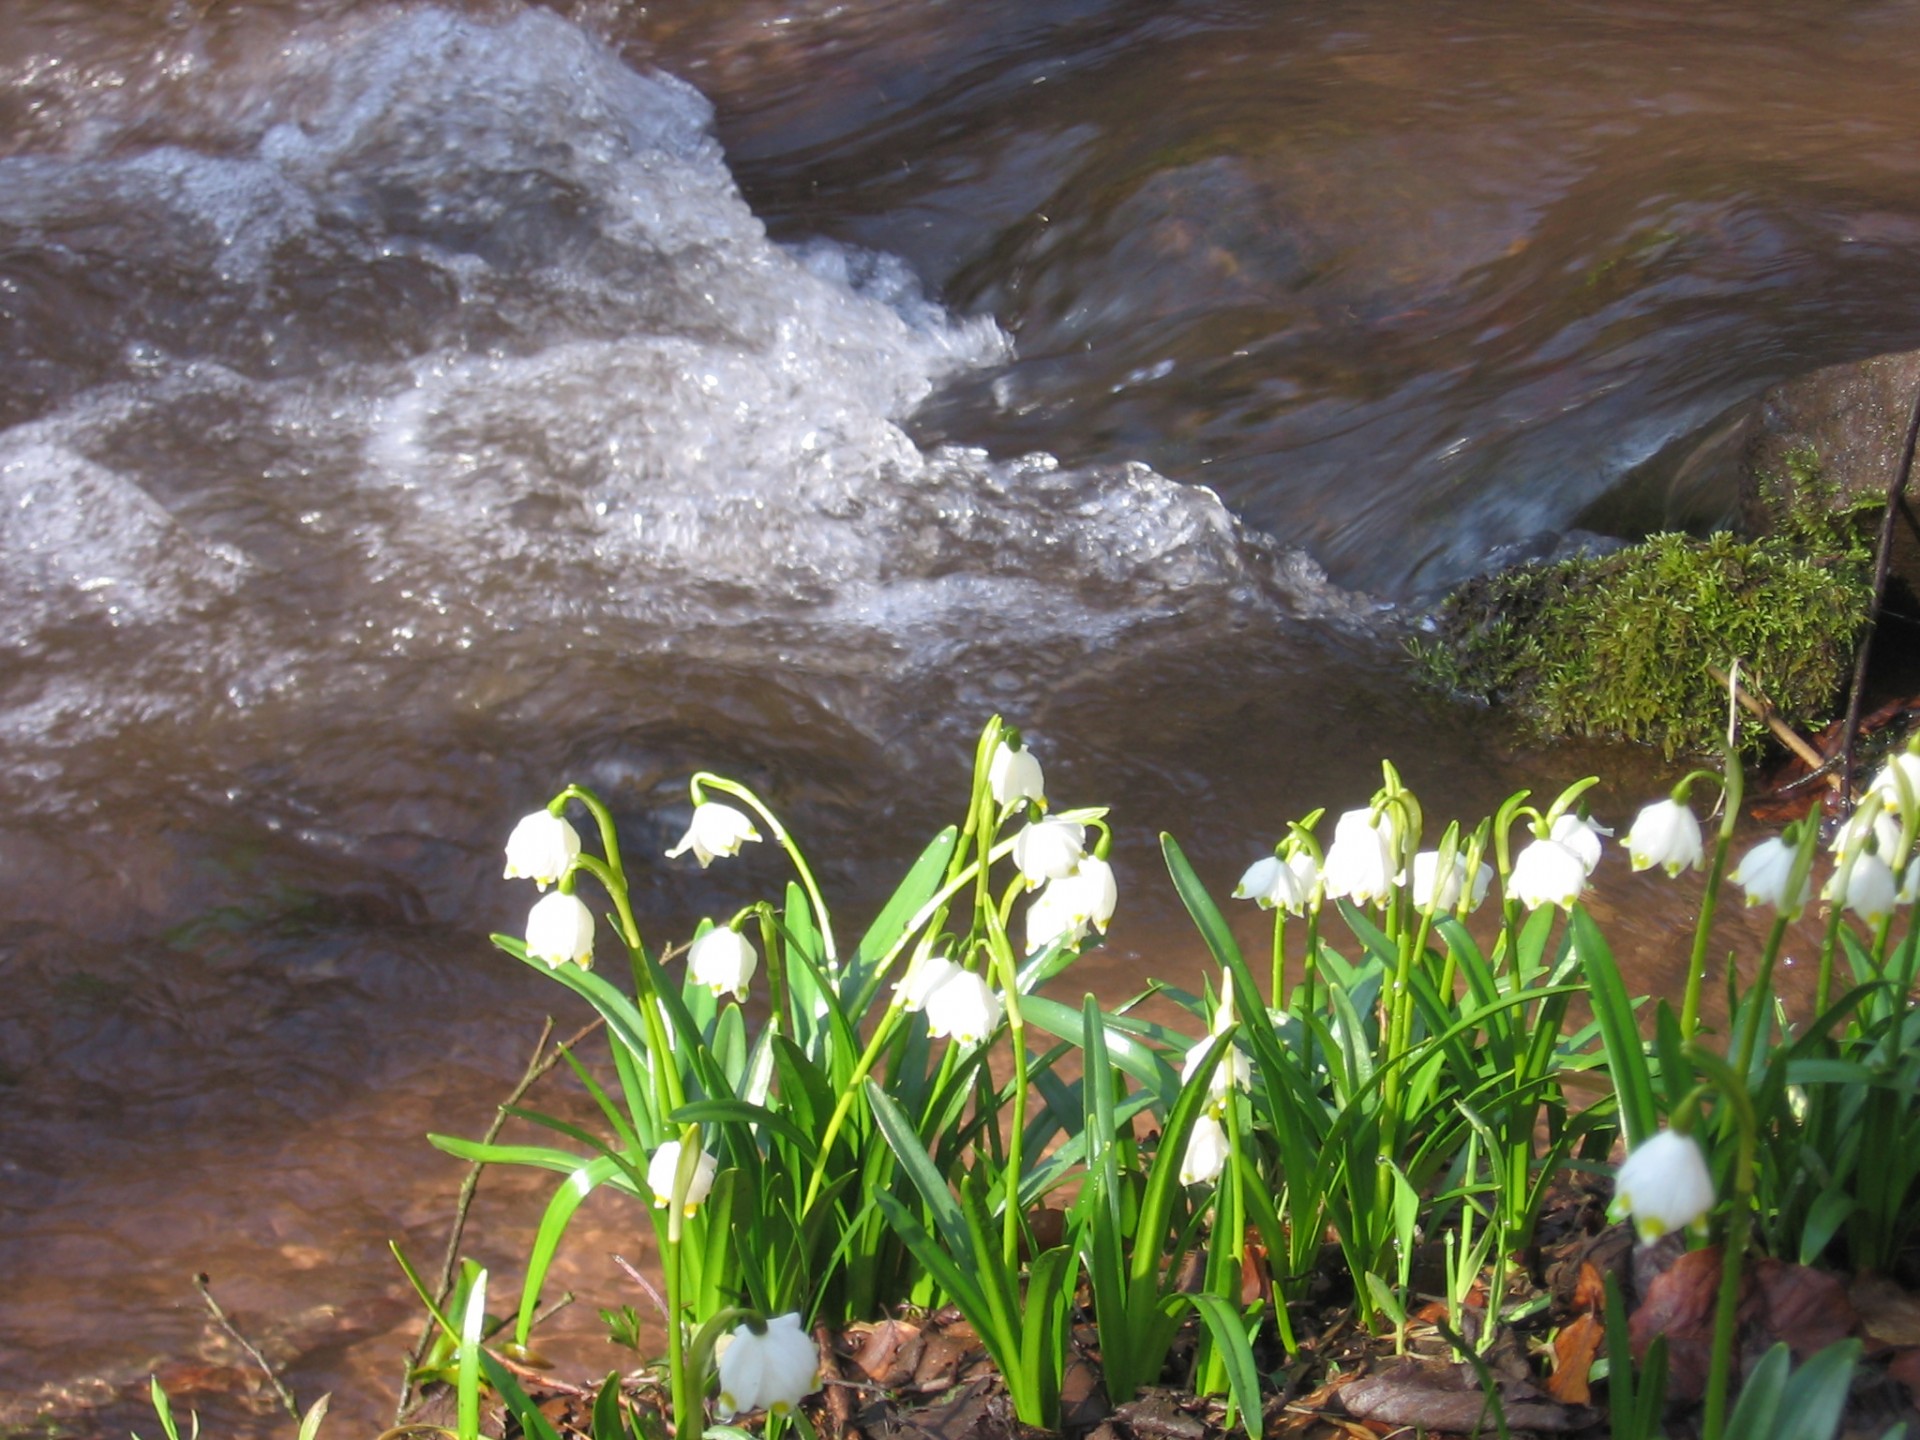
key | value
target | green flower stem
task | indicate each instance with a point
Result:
(671, 1095)
(1829, 943)
(1733, 787)
(1757, 999)
(1732, 1086)
(609, 837)
(689, 1405)
(706, 779)
(1279, 990)
(1010, 1219)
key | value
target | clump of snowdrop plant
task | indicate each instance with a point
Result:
(782, 1101)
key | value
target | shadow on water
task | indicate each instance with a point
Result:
(405, 410)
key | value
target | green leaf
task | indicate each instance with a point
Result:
(553, 1225)
(1619, 1031)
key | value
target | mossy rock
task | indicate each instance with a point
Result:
(1620, 646)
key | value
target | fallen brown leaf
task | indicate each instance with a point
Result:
(1573, 1350)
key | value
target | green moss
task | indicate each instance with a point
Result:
(1618, 646)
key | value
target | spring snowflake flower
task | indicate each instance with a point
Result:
(722, 959)
(1072, 905)
(1049, 850)
(1663, 1185)
(773, 1370)
(1452, 885)
(717, 829)
(1360, 862)
(664, 1169)
(1234, 1068)
(1014, 775)
(923, 977)
(1207, 1154)
(559, 930)
(1873, 826)
(1907, 765)
(964, 1007)
(1274, 884)
(541, 849)
(1765, 872)
(1581, 835)
(1665, 833)
(1871, 888)
(1547, 873)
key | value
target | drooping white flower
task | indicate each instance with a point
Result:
(1547, 873)
(717, 829)
(722, 959)
(1665, 833)
(964, 1007)
(1872, 826)
(559, 930)
(1664, 1185)
(1765, 873)
(1048, 850)
(1233, 1071)
(1426, 866)
(1072, 905)
(1273, 884)
(1910, 883)
(541, 848)
(1360, 863)
(664, 1169)
(1014, 775)
(1208, 1151)
(1581, 835)
(772, 1371)
(923, 977)
(1907, 764)
(1871, 889)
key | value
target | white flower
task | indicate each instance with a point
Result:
(1547, 873)
(963, 1006)
(1014, 775)
(717, 829)
(664, 1169)
(1207, 1152)
(1580, 835)
(559, 929)
(1665, 833)
(1664, 1185)
(1427, 863)
(923, 977)
(1764, 874)
(1273, 883)
(1049, 849)
(1360, 862)
(1884, 783)
(722, 959)
(772, 1371)
(541, 849)
(1872, 821)
(1072, 905)
(1910, 883)
(1234, 1070)
(1871, 889)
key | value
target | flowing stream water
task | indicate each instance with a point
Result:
(407, 409)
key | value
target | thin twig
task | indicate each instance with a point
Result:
(1883, 554)
(203, 1284)
(645, 1284)
(1782, 731)
(537, 1066)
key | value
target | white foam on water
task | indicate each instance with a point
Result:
(497, 356)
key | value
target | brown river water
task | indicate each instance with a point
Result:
(407, 409)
